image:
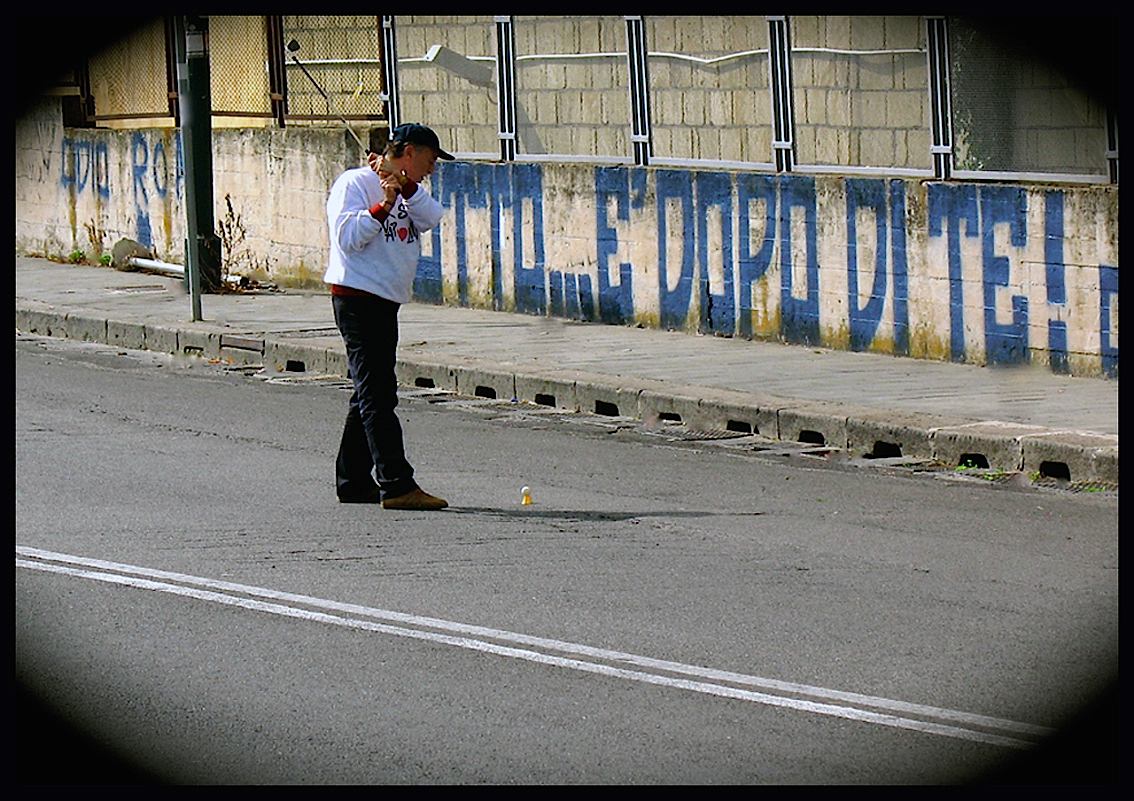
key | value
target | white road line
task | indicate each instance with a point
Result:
(414, 627)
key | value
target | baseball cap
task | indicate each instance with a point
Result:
(418, 134)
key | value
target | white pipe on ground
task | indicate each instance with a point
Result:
(159, 266)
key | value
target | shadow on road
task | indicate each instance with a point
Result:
(592, 516)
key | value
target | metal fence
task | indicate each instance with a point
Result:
(342, 56)
(132, 79)
(936, 97)
(334, 71)
(919, 96)
(1013, 114)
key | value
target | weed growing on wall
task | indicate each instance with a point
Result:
(97, 237)
(236, 257)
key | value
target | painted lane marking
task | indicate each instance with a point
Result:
(416, 627)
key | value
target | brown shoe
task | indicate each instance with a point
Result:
(419, 500)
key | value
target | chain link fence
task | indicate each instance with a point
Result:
(238, 71)
(342, 58)
(860, 92)
(333, 72)
(1013, 111)
(130, 79)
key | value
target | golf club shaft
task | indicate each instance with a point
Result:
(330, 103)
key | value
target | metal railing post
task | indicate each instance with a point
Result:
(202, 249)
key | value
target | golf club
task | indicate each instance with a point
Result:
(293, 48)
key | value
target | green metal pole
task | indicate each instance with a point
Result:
(202, 252)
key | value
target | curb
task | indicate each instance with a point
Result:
(996, 445)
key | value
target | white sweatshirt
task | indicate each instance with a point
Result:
(376, 256)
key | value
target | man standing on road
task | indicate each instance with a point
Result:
(376, 216)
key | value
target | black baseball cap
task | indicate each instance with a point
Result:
(417, 134)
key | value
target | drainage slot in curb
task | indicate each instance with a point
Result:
(1055, 470)
(970, 460)
(884, 450)
(670, 417)
(608, 409)
(242, 343)
(812, 437)
(424, 383)
(544, 400)
(741, 427)
(485, 392)
(295, 366)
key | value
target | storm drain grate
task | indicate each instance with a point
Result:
(1087, 485)
(694, 435)
(312, 379)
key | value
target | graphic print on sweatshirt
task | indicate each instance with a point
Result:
(404, 232)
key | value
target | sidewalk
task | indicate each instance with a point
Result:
(1019, 419)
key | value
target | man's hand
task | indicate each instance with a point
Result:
(391, 187)
(383, 166)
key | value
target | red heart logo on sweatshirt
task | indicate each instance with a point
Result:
(403, 233)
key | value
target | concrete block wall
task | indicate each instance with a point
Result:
(868, 110)
(980, 273)
(716, 111)
(85, 189)
(455, 92)
(270, 190)
(572, 106)
(963, 272)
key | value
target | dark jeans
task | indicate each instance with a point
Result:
(372, 435)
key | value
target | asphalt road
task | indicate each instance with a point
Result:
(668, 610)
